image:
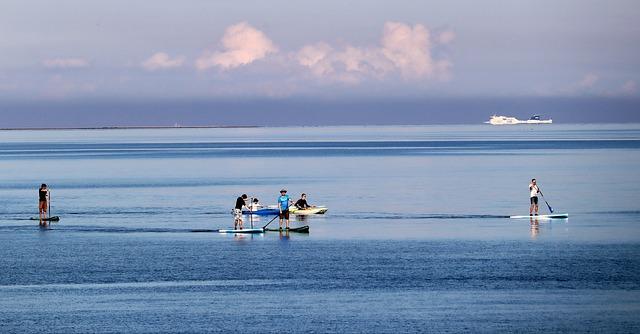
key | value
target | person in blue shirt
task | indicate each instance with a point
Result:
(283, 204)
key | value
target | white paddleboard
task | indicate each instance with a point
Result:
(245, 230)
(551, 216)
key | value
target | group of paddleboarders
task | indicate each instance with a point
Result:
(284, 203)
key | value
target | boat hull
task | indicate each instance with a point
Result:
(320, 210)
(262, 212)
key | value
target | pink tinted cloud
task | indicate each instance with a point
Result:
(161, 60)
(243, 45)
(408, 48)
(403, 49)
(446, 37)
(316, 58)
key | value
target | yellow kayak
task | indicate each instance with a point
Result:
(316, 210)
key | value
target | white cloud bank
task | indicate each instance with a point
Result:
(160, 61)
(243, 45)
(65, 63)
(403, 49)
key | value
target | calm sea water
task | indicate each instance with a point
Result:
(415, 239)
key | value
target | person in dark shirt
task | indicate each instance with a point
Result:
(43, 201)
(302, 204)
(237, 211)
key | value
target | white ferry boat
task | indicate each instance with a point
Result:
(506, 120)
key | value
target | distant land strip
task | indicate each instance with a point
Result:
(135, 127)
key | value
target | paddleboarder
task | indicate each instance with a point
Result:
(237, 211)
(283, 205)
(533, 197)
(43, 200)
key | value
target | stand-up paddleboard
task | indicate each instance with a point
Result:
(551, 216)
(244, 230)
(301, 229)
(50, 219)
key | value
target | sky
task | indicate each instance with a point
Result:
(117, 63)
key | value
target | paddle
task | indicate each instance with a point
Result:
(250, 211)
(271, 221)
(545, 201)
(49, 203)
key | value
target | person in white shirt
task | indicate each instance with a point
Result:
(533, 197)
(255, 205)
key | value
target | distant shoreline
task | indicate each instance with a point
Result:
(135, 127)
(160, 127)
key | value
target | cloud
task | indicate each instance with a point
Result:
(588, 81)
(243, 45)
(408, 48)
(316, 58)
(446, 37)
(65, 63)
(403, 49)
(161, 60)
(629, 88)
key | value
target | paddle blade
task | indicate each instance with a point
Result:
(549, 206)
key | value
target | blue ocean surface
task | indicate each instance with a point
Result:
(416, 239)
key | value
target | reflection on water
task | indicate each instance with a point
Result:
(535, 227)
(284, 235)
(301, 218)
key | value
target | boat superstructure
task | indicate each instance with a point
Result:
(535, 119)
(502, 120)
(507, 120)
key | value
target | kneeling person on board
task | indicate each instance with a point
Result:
(283, 205)
(237, 211)
(43, 199)
(533, 198)
(302, 202)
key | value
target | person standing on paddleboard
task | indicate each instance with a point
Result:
(283, 204)
(533, 197)
(237, 211)
(43, 201)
